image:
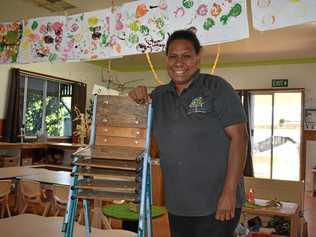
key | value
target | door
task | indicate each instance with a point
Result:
(276, 123)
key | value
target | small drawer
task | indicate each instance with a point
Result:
(27, 161)
(121, 132)
(8, 161)
(120, 141)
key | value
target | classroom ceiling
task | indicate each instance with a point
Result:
(291, 43)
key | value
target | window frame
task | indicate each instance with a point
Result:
(45, 78)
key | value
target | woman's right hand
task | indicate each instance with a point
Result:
(140, 95)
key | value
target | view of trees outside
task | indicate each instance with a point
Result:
(286, 136)
(34, 106)
(57, 119)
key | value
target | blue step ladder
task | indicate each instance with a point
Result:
(144, 177)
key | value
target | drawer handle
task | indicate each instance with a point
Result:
(106, 102)
(136, 142)
(105, 140)
(106, 130)
(104, 120)
(137, 132)
(136, 122)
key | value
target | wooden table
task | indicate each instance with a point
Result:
(13, 172)
(50, 177)
(28, 225)
(314, 182)
(40, 145)
(27, 147)
(288, 209)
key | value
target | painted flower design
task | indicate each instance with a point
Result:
(216, 9)
(202, 10)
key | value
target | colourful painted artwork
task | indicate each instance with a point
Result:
(139, 27)
(42, 40)
(213, 21)
(97, 34)
(274, 14)
(132, 28)
(10, 38)
(72, 50)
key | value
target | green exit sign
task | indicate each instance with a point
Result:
(280, 83)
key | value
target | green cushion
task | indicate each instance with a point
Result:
(124, 212)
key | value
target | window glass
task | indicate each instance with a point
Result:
(34, 106)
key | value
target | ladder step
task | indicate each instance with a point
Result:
(109, 174)
(110, 164)
(106, 196)
(111, 152)
(107, 185)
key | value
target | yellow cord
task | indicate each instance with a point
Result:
(156, 77)
(216, 59)
(109, 65)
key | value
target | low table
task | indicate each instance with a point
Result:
(129, 217)
(29, 225)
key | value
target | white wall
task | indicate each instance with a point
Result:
(258, 77)
(254, 77)
(83, 72)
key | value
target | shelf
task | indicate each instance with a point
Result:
(310, 135)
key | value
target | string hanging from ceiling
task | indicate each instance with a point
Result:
(212, 70)
(156, 77)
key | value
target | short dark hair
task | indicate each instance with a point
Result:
(184, 35)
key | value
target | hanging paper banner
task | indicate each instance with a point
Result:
(74, 38)
(97, 34)
(140, 26)
(10, 38)
(42, 40)
(274, 14)
(213, 21)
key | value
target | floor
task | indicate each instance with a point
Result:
(160, 225)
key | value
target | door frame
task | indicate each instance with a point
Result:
(302, 151)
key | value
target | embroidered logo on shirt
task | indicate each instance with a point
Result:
(197, 105)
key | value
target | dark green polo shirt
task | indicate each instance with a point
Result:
(189, 130)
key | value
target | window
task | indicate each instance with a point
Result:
(276, 126)
(46, 106)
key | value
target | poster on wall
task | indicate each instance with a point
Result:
(274, 14)
(42, 40)
(139, 27)
(10, 38)
(213, 21)
(73, 43)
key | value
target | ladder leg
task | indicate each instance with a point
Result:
(71, 209)
(73, 182)
(73, 214)
(142, 209)
(86, 217)
(145, 182)
(149, 203)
